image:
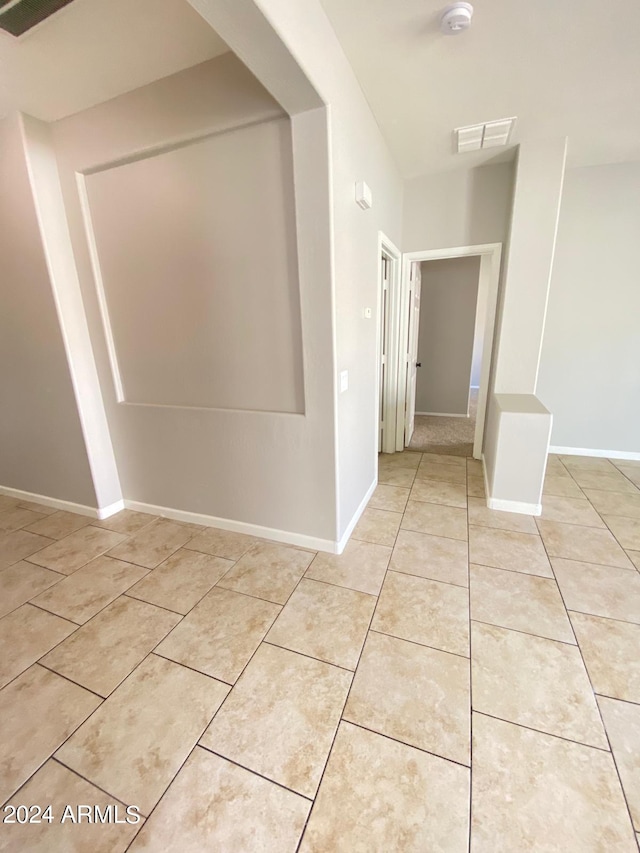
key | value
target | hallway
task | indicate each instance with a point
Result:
(448, 436)
(245, 695)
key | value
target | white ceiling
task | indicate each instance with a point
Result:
(94, 50)
(563, 67)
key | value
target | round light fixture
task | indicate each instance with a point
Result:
(456, 18)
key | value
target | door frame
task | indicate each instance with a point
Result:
(489, 279)
(390, 390)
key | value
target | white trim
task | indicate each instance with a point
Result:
(586, 451)
(390, 391)
(490, 256)
(474, 387)
(441, 415)
(57, 503)
(287, 537)
(514, 506)
(112, 509)
(356, 517)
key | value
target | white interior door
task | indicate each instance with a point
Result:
(415, 286)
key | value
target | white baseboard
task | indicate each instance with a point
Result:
(313, 543)
(341, 545)
(112, 509)
(514, 506)
(442, 415)
(586, 451)
(57, 503)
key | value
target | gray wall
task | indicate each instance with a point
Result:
(590, 367)
(42, 448)
(459, 208)
(197, 247)
(446, 334)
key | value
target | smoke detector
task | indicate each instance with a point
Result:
(456, 18)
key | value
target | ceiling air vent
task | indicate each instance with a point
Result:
(19, 16)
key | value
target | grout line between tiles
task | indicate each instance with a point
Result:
(542, 731)
(526, 633)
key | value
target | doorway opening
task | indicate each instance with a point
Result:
(447, 319)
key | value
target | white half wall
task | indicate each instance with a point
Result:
(590, 365)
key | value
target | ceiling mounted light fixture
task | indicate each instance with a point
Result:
(456, 18)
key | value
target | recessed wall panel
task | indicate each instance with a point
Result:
(196, 256)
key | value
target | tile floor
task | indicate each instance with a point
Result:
(457, 679)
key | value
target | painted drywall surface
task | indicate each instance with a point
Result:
(446, 334)
(42, 449)
(528, 264)
(275, 470)
(221, 319)
(466, 207)
(590, 367)
(358, 152)
(478, 338)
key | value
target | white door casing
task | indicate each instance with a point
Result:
(415, 287)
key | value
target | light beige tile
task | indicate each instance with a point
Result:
(548, 686)
(610, 651)
(222, 543)
(444, 459)
(81, 595)
(622, 722)
(76, 550)
(599, 590)
(434, 557)
(482, 516)
(127, 521)
(153, 544)
(17, 517)
(281, 718)
(18, 545)
(220, 634)
(59, 524)
(533, 792)
(630, 472)
(585, 544)
(59, 787)
(361, 566)
(25, 635)
(438, 471)
(21, 582)
(413, 694)
(634, 556)
(570, 511)
(555, 466)
(325, 622)
(36, 507)
(564, 486)
(39, 710)
(377, 526)
(615, 503)
(7, 503)
(475, 487)
(392, 475)
(519, 601)
(392, 498)
(474, 467)
(604, 482)
(405, 459)
(270, 572)
(424, 611)
(587, 463)
(435, 519)
(137, 740)
(505, 549)
(182, 580)
(626, 530)
(380, 795)
(105, 650)
(212, 801)
(437, 492)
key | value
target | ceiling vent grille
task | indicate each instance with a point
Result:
(19, 16)
(491, 134)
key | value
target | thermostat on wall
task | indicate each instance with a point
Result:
(363, 195)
